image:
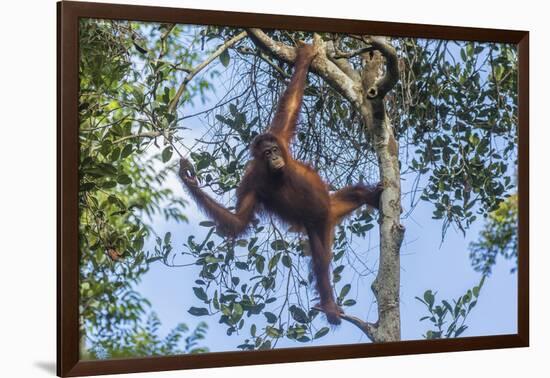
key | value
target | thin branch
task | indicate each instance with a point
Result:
(248, 51)
(163, 37)
(343, 63)
(350, 54)
(201, 66)
(321, 65)
(146, 134)
(218, 105)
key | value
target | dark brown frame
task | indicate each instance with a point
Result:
(68, 14)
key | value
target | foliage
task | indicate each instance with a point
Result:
(122, 185)
(460, 114)
(498, 237)
(448, 321)
(144, 341)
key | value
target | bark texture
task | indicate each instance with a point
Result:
(366, 90)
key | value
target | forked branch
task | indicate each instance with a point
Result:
(387, 81)
(321, 65)
(201, 66)
(367, 328)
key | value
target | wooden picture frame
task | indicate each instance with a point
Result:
(68, 362)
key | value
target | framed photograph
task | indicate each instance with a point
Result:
(239, 188)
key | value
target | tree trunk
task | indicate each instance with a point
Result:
(367, 90)
(386, 285)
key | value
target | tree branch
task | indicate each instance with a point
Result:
(342, 62)
(385, 83)
(146, 134)
(321, 65)
(350, 54)
(367, 328)
(201, 66)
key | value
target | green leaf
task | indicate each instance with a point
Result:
(460, 330)
(108, 184)
(271, 317)
(201, 164)
(140, 49)
(272, 331)
(298, 314)
(499, 71)
(447, 306)
(241, 265)
(429, 298)
(167, 237)
(215, 301)
(470, 49)
(345, 290)
(207, 224)
(167, 154)
(200, 293)
(279, 245)
(260, 265)
(138, 243)
(287, 261)
(238, 309)
(212, 260)
(126, 151)
(124, 179)
(166, 95)
(273, 261)
(224, 57)
(198, 311)
(86, 186)
(320, 333)
(115, 154)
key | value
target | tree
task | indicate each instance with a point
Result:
(438, 114)
(121, 184)
(144, 341)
